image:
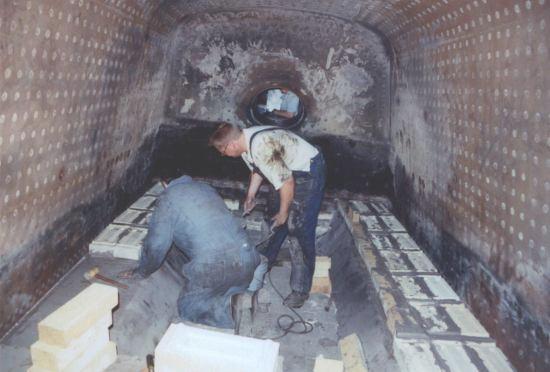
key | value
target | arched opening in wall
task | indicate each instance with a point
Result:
(278, 106)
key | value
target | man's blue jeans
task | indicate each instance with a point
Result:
(304, 211)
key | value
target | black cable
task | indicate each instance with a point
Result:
(288, 328)
(307, 326)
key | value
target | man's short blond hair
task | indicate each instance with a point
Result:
(224, 134)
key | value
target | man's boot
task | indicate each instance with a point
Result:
(299, 276)
(296, 299)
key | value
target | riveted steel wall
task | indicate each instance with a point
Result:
(470, 132)
(74, 115)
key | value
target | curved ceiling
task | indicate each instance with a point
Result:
(389, 17)
(400, 21)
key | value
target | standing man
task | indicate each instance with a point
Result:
(296, 169)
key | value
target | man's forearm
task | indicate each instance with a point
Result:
(159, 238)
(150, 260)
(255, 182)
(286, 193)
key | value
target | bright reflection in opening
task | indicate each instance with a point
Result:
(277, 106)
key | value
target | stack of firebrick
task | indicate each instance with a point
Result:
(75, 337)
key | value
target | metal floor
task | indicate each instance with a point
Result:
(144, 312)
(299, 350)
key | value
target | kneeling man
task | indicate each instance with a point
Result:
(193, 217)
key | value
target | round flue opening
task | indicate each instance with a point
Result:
(276, 106)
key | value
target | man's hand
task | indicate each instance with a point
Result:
(279, 219)
(286, 193)
(249, 205)
(128, 274)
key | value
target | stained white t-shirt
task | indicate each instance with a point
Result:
(276, 153)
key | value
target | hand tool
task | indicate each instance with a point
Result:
(94, 273)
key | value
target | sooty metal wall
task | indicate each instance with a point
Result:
(339, 70)
(460, 125)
